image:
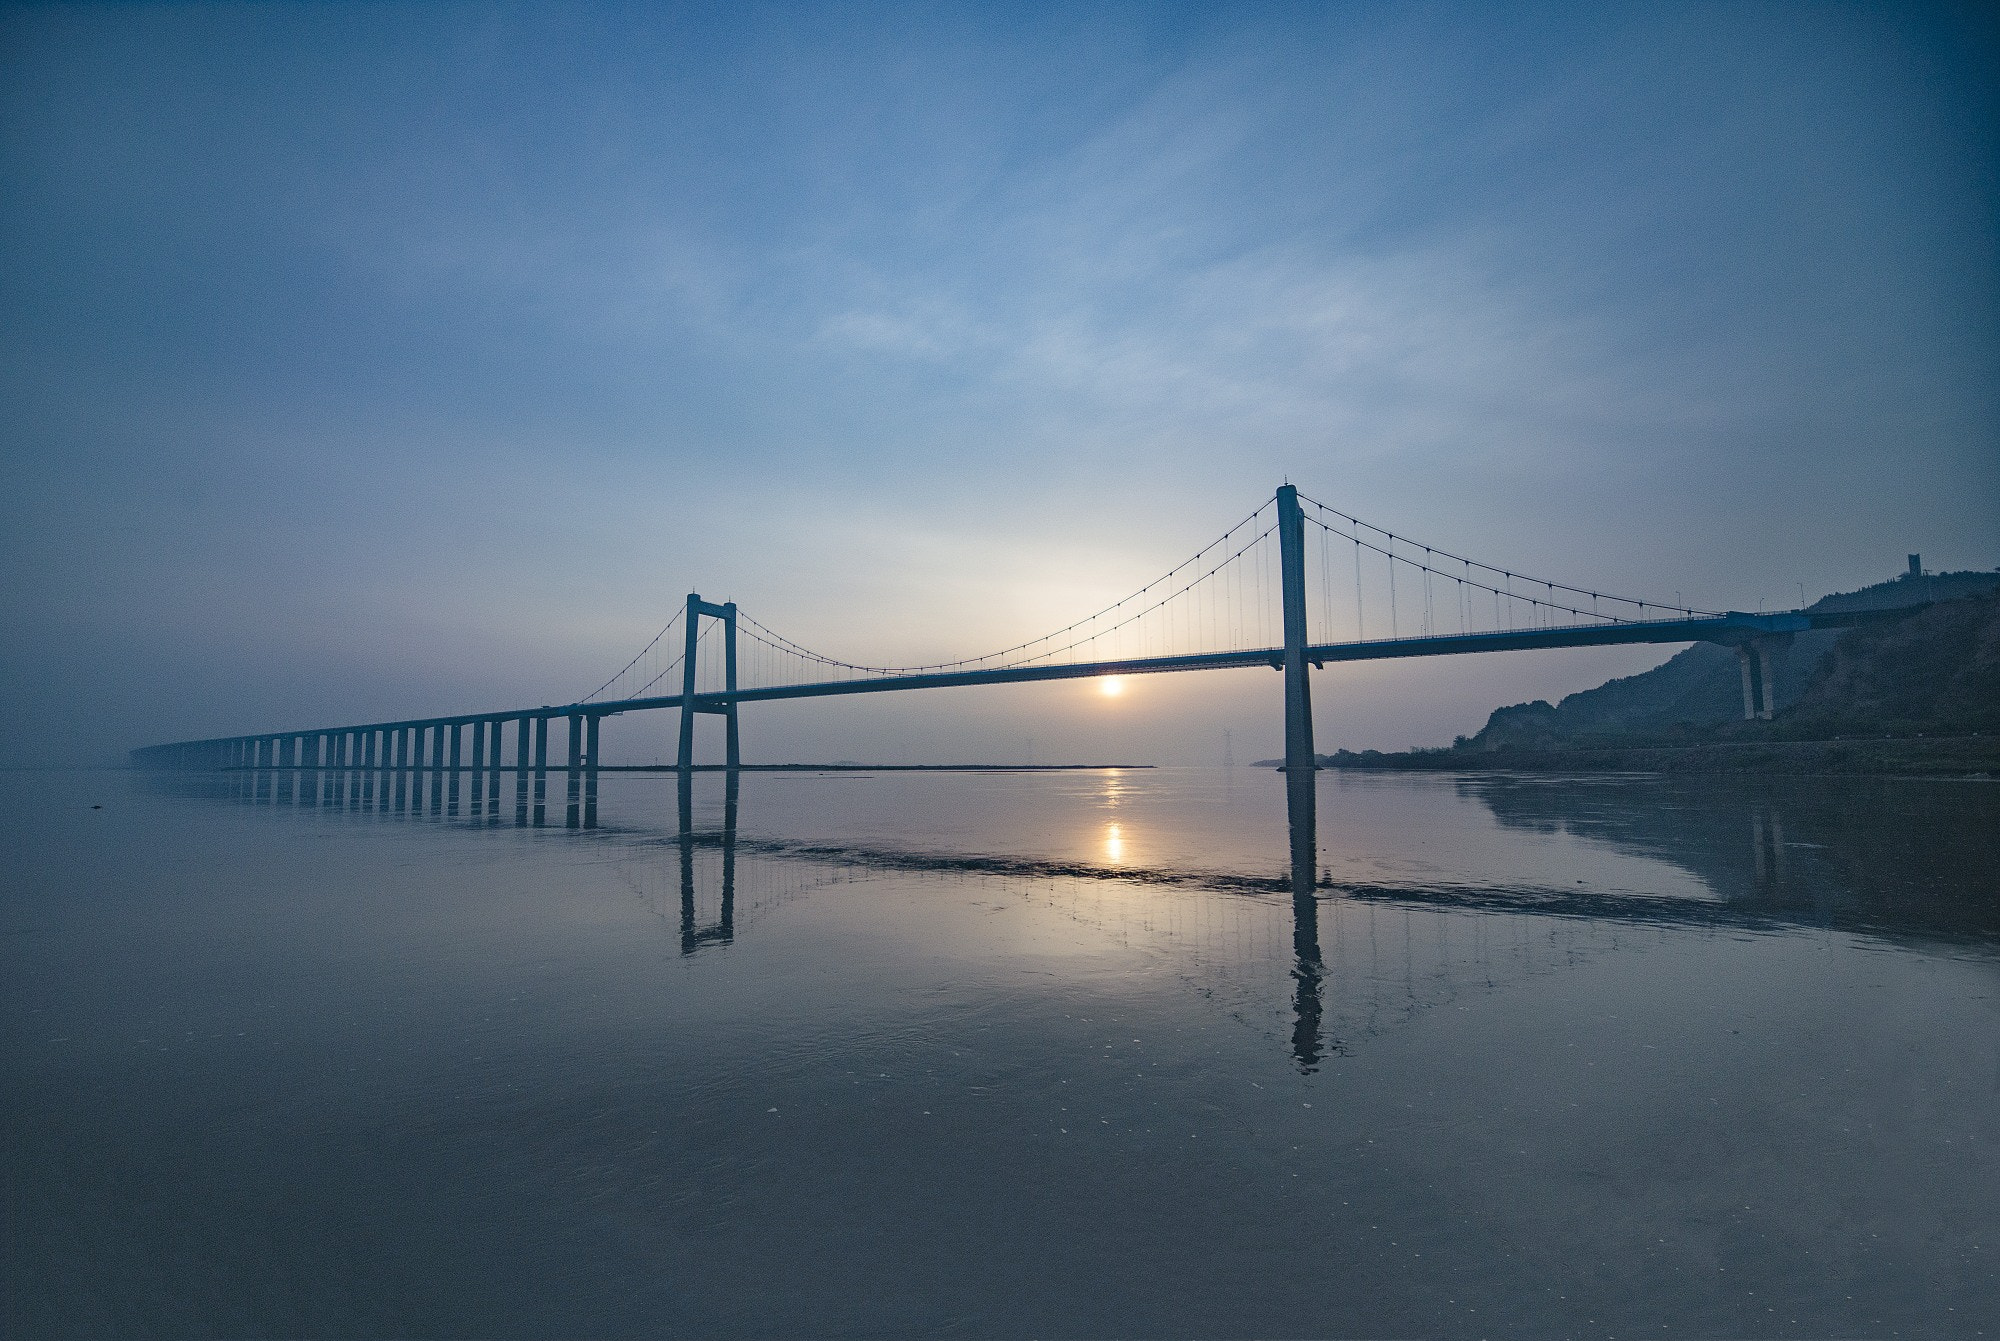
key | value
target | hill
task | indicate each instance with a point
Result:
(1934, 674)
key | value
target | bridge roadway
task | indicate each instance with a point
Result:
(1735, 628)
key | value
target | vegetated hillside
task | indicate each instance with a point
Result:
(1935, 673)
(1930, 673)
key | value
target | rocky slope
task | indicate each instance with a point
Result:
(1920, 694)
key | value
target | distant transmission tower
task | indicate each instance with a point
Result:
(1228, 749)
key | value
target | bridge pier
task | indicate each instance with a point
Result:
(571, 816)
(437, 768)
(521, 774)
(478, 767)
(590, 770)
(1756, 658)
(402, 734)
(417, 734)
(455, 734)
(541, 771)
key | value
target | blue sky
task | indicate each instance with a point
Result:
(377, 360)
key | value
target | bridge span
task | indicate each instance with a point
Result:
(1256, 581)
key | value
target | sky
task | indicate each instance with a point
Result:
(370, 361)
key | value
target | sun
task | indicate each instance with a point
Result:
(1111, 686)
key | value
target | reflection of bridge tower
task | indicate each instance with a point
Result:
(724, 929)
(713, 886)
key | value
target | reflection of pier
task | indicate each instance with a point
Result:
(449, 789)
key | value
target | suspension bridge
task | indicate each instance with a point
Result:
(1296, 585)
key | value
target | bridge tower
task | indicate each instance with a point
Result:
(696, 608)
(1301, 782)
(1298, 694)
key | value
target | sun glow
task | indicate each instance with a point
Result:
(1111, 686)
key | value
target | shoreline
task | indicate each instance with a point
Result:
(1956, 756)
(671, 768)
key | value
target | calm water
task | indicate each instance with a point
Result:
(1004, 1054)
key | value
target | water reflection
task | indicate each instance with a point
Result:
(1335, 961)
(1301, 820)
(723, 930)
(1901, 858)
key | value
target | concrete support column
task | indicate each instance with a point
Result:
(1746, 662)
(1767, 674)
(455, 736)
(521, 752)
(1758, 661)
(590, 771)
(541, 770)
(573, 818)
(478, 767)
(402, 773)
(496, 730)
(437, 767)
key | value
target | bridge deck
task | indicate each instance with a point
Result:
(1734, 627)
(1724, 628)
